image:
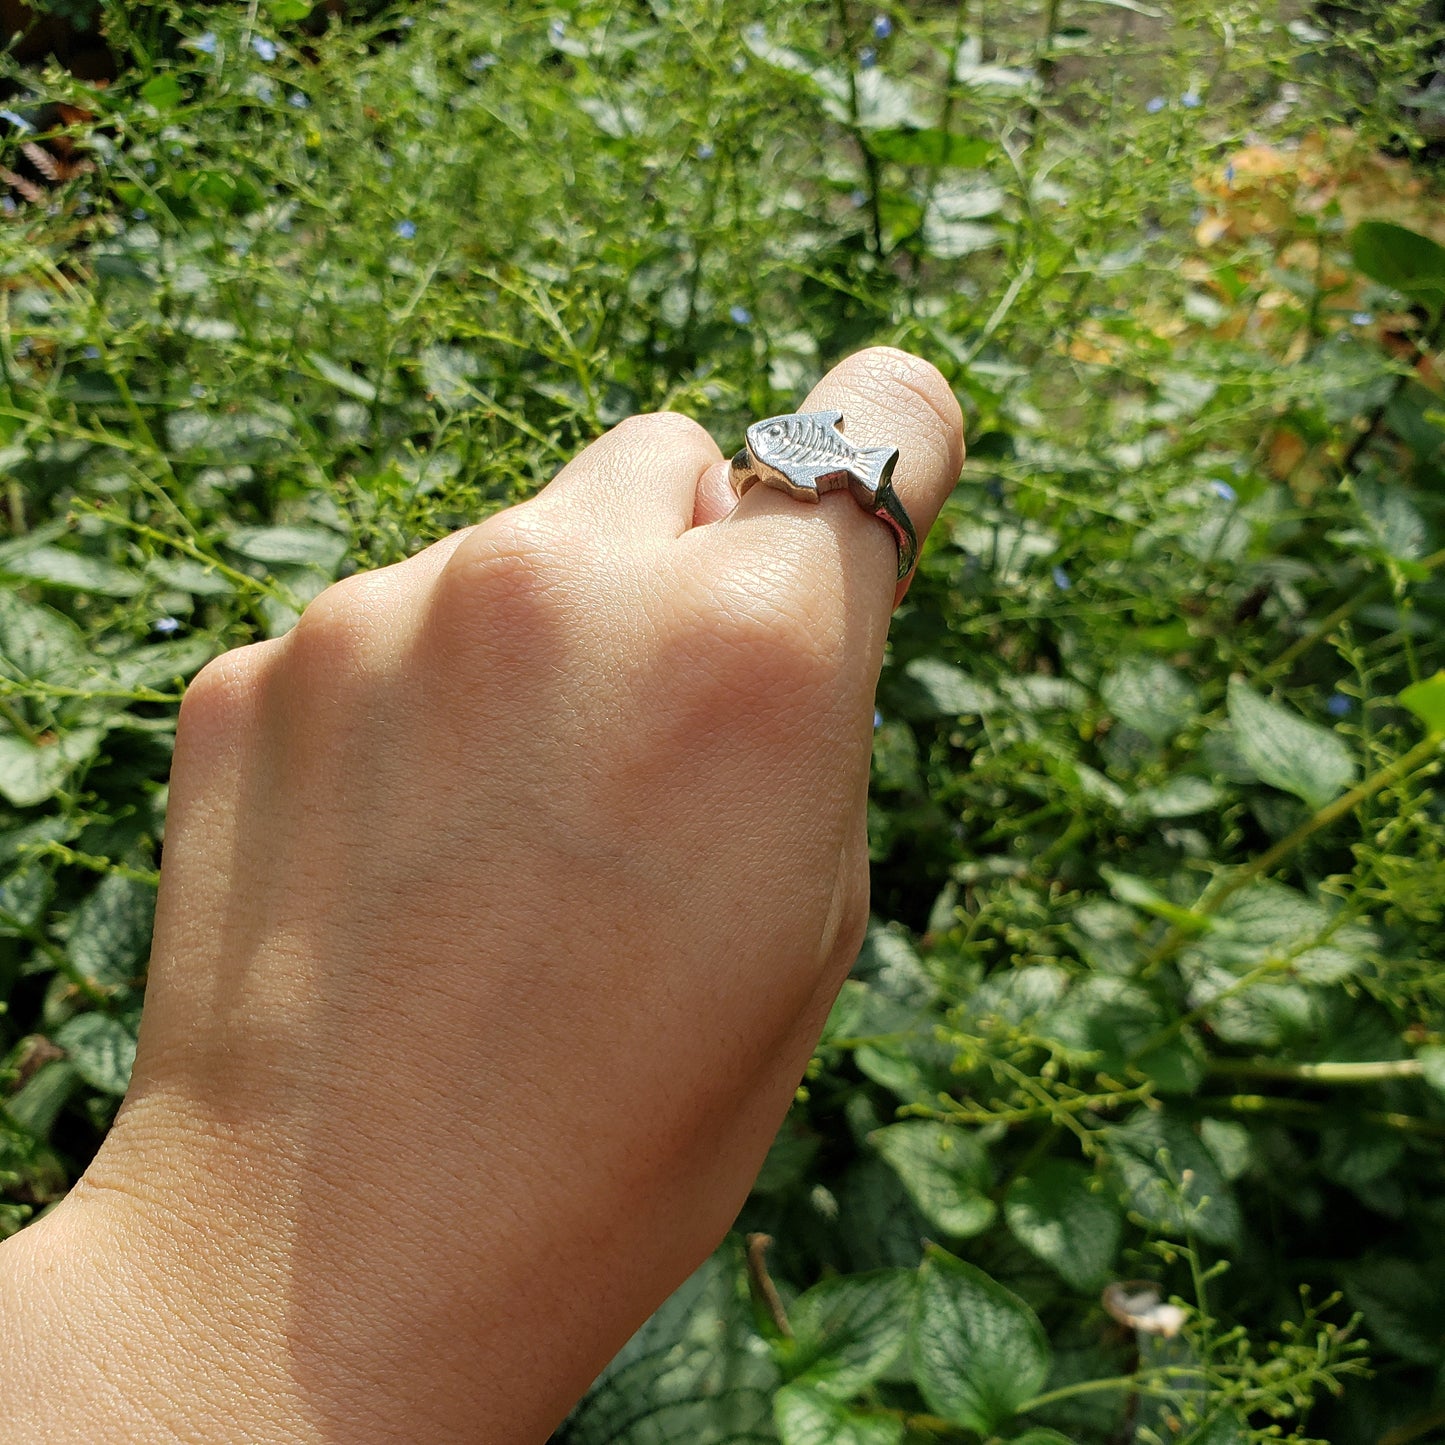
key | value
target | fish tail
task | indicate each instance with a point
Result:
(874, 466)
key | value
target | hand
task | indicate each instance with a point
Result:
(502, 904)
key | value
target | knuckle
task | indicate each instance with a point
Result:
(336, 630)
(225, 687)
(513, 572)
(665, 427)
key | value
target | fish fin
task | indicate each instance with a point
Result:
(833, 419)
(874, 467)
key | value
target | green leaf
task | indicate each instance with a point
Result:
(944, 1169)
(1170, 1178)
(341, 377)
(1040, 1437)
(848, 1330)
(944, 690)
(805, 1417)
(1150, 696)
(162, 91)
(978, 1351)
(284, 11)
(1427, 701)
(1403, 1305)
(101, 1050)
(1287, 752)
(1181, 797)
(187, 575)
(1432, 1067)
(24, 895)
(1399, 257)
(74, 571)
(45, 1094)
(32, 772)
(110, 933)
(36, 641)
(929, 147)
(290, 546)
(694, 1374)
(1056, 1215)
(1270, 922)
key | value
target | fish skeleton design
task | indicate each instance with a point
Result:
(806, 454)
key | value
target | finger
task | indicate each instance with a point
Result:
(639, 479)
(887, 398)
(715, 498)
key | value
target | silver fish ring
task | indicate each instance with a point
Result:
(805, 454)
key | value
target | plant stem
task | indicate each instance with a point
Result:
(871, 168)
(1269, 860)
(1344, 611)
(1308, 1112)
(1364, 1073)
(1094, 1387)
(761, 1283)
(12, 715)
(1413, 1429)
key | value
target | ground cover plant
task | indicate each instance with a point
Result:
(1129, 1125)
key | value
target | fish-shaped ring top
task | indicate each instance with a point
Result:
(806, 454)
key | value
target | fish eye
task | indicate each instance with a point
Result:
(775, 431)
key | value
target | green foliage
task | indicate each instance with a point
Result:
(1153, 996)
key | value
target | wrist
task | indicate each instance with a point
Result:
(130, 1317)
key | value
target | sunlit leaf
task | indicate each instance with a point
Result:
(946, 1171)
(848, 1330)
(978, 1351)
(1055, 1213)
(1427, 701)
(100, 1049)
(806, 1417)
(1286, 751)
(1396, 256)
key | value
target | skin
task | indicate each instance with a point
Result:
(502, 905)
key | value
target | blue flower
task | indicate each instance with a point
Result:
(297, 100)
(266, 49)
(867, 57)
(558, 31)
(1338, 705)
(740, 315)
(264, 91)
(858, 199)
(7, 204)
(1155, 104)
(877, 719)
(206, 43)
(706, 151)
(91, 352)
(1223, 491)
(483, 62)
(1362, 318)
(1229, 174)
(1190, 100)
(197, 390)
(405, 229)
(882, 27)
(139, 214)
(166, 626)
(17, 120)
(1062, 580)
